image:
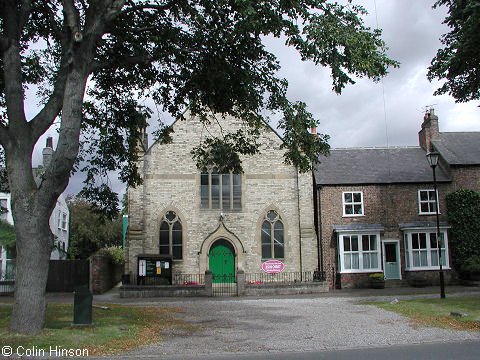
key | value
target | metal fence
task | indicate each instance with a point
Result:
(7, 280)
(224, 285)
(188, 279)
(284, 277)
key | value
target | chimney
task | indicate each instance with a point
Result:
(313, 130)
(48, 152)
(429, 130)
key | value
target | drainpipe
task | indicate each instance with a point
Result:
(299, 226)
(317, 213)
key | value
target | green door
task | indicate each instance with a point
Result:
(222, 262)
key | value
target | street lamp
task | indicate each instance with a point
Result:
(432, 158)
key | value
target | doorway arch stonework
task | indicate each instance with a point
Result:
(222, 233)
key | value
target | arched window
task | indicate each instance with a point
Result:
(272, 236)
(171, 235)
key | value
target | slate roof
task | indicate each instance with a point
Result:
(459, 148)
(392, 165)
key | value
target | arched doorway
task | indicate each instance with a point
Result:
(222, 261)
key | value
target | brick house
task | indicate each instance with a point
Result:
(376, 207)
(224, 223)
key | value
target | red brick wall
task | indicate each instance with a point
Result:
(104, 274)
(387, 205)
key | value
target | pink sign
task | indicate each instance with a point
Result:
(273, 266)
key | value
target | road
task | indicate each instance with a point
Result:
(290, 326)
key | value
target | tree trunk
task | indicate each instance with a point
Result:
(34, 245)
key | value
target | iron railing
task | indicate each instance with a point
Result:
(284, 277)
(188, 279)
(224, 285)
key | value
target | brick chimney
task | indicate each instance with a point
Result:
(429, 130)
(47, 152)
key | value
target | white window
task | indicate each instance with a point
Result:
(359, 252)
(62, 221)
(3, 209)
(421, 249)
(426, 202)
(352, 203)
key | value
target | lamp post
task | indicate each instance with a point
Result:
(433, 161)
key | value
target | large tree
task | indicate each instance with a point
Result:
(94, 62)
(458, 62)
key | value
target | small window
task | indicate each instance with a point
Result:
(352, 203)
(272, 236)
(426, 202)
(170, 242)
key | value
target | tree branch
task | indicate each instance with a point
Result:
(122, 62)
(45, 118)
(72, 15)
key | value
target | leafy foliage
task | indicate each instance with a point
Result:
(203, 55)
(7, 234)
(91, 230)
(115, 253)
(458, 62)
(463, 207)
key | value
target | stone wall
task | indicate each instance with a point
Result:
(172, 183)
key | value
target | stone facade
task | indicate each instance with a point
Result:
(172, 182)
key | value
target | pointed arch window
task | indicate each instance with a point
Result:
(171, 235)
(272, 236)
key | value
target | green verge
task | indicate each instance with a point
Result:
(437, 312)
(114, 330)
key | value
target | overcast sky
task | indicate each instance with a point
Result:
(371, 114)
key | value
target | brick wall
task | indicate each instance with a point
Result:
(104, 274)
(387, 205)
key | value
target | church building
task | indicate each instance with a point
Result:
(223, 223)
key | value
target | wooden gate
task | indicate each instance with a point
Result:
(65, 275)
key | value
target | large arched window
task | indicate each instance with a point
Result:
(272, 236)
(171, 235)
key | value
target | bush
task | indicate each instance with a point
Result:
(463, 207)
(115, 253)
(376, 276)
(472, 264)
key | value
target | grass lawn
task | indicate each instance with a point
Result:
(118, 329)
(436, 312)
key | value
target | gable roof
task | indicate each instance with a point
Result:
(459, 148)
(376, 166)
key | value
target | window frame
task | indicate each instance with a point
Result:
(360, 251)
(170, 224)
(352, 204)
(234, 191)
(409, 250)
(428, 201)
(273, 229)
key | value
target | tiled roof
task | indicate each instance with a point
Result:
(459, 148)
(358, 227)
(376, 166)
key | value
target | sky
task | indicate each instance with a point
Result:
(368, 114)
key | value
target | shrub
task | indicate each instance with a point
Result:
(463, 207)
(376, 276)
(472, 264)
(115, 253)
